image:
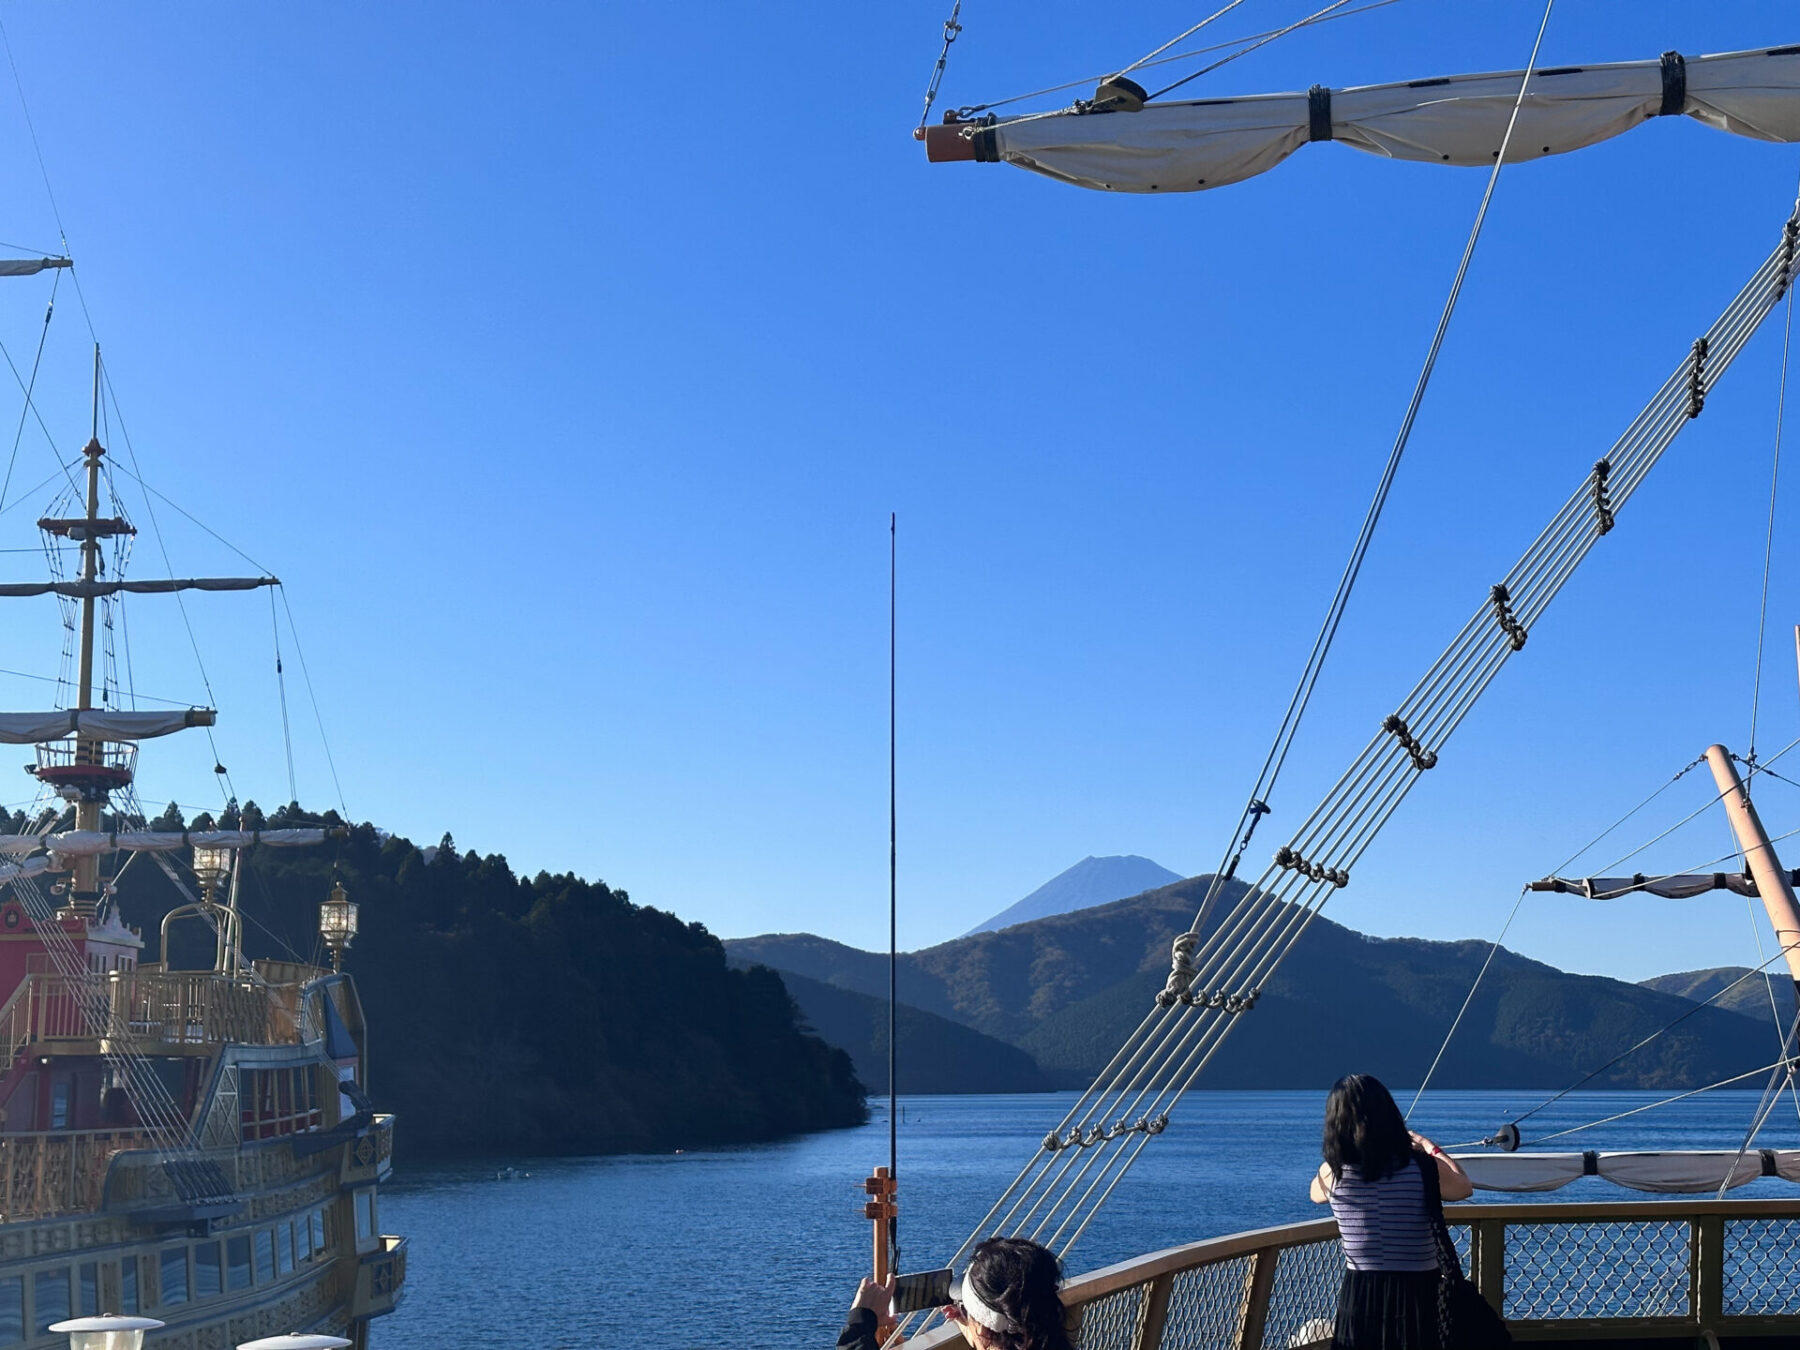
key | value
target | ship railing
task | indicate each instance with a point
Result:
(153, 1008)
(1640, 1269)
(47, 1173)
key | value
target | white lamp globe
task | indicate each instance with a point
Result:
(111, 1332)
(297, 1341)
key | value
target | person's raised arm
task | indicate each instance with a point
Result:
(1320, 1190)
(1453, 1182)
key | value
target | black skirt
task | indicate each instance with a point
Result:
(1387, 1310)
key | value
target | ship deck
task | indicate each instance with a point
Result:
(1612, 1273)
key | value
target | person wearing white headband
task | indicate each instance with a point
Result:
(1008, 1299)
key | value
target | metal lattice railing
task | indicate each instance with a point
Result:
(1644, 1269)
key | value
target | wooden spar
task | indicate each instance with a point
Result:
(946, 144)
(881, 1211)
(1759, 857)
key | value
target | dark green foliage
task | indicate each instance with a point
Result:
(935, 1053)
(549, 1015)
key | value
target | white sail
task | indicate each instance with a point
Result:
(77, 843)
(1461, 119)
(1671, 1172)
(28, 728)
(1677, 886)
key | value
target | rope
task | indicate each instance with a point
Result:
(1784, 1068)
(36, 361)
(1181, 37)
(1315, 17)
(1762, 612)
(313, 698)
(1666, 1101)
(1315, 662)
(952, 30)
(287, 739)
(963, 114)
(1457, 1021)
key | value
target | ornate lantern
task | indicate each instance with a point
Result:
(111, 1332)
(337, 923)
(211, 866)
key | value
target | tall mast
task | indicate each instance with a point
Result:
(1759, 857)
(84, 895)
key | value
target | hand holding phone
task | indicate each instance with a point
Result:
(916, 1293)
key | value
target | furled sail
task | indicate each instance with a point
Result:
(76, 843)
(1670, 1173)
(25, 267)
(1676, 886)
(80, 590)
(1460, 119)
(28, 728)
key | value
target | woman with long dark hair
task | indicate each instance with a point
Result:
(1371, 1179)
(1009, 1299)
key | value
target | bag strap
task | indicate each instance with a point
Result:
(1449, 1263)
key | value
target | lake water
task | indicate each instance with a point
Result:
(767, 1242)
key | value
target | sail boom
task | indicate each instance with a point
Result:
(1457, 120)
(27, 267)
(31, 728)
(1676, 886)
(84, 843)
(82, 590)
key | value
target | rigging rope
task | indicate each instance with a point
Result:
(287, 739)
(1762, 611)
(36, 361)
(952, 30)
(1181, 37)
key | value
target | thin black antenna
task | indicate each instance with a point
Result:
(893, 898)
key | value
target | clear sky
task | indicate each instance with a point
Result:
(566, 361)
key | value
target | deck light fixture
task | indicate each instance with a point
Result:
(337, 923)
(296, 1341)
(111, 1332)
(211, 866)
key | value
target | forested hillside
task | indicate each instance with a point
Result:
(1069, 988)
(529, 1015)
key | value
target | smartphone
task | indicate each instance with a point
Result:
(916, 1293)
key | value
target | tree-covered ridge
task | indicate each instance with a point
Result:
(527, 1015)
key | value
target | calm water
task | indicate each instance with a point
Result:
(767, 1243)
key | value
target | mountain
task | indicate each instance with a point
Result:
(1090, 882)
(1749, 996)
(935, 1054)
(1069, 988)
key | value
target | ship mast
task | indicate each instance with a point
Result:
(84, 894)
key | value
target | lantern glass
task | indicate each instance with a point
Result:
(211, 865)
(337, 917)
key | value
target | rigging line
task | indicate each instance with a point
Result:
(1771, 1095)
(1783, 1043)
(37, 149)
(1182, 37)
(313, 698)
(964, 113)
(1762, 612)
(1290, 725)
(19, 379)
(36, 361)
(952, 31)
(1227, 60)
(1589, 1077)
(1457, 1021)
(287, 738)
(51, 679)
(193, 519)
(1666, 1101)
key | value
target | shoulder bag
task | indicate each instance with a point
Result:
(1466, 1320)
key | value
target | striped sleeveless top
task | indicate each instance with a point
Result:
(1383, 1223)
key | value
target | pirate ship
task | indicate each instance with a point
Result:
(192, 1145)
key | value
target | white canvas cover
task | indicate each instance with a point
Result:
(1680, 886)
(1669, 1172)
(1185, 147)
(28, 728)
(76, 843)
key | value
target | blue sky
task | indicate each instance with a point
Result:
(567, 362)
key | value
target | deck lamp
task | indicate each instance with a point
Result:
(111, 1332)
(211, 866)
(337, 923)
(296, 1341)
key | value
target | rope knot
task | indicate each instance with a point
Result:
(1509, 623)
(1697, 379)
(1602, 502)
(1181, 970)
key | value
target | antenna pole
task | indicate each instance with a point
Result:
(893, 891)
(84, 896)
